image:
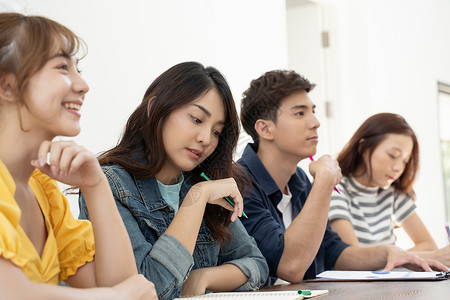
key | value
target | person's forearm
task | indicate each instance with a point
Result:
(49, 292)
(386, 256)
(187, 221)
(224, 278)
(114, 257)
(305, 234)
(18, 287)
(424, 246)
(358, 258)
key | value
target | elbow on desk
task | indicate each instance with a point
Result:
(291, 272)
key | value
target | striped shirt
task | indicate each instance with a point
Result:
(371, 210)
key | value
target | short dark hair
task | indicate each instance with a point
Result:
(262, 99)
(367, 138)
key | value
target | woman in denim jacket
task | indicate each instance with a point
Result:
(186, 238)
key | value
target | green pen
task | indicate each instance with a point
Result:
(304, 292)
(226, 198)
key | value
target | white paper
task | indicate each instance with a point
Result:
(373, 275)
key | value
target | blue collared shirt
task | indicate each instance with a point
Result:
(265, 222)
(160, 257)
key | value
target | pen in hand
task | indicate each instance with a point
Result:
(335, 188)
(226, 198)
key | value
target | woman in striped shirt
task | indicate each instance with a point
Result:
(379, 165)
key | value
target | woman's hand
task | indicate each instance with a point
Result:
(69, 163)
(214, 192)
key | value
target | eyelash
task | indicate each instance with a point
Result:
(198, 121)
(393, 157)
(301, 113)
(65, 67)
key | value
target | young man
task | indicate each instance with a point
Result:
(287, 215)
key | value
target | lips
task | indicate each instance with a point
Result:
(195, 152)
(313, 138)
(390, 178)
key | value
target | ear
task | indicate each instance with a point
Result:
(7, 87)
(264, 129)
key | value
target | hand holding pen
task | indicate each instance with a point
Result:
(335, 188)
(226, 198)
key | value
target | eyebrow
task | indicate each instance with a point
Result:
(64, 55)
(207, 113)
(301, 107)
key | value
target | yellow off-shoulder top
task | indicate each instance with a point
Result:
(70, 242)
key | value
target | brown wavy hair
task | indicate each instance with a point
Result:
(178, 86)
(263, 98)
(28, 42)
(367, 138)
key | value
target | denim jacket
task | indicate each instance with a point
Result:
(160, 257)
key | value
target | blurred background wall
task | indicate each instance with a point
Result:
(366, 56)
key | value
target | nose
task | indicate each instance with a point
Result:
(79, 85)
(314, 123)
(204, 136)
(398, 166)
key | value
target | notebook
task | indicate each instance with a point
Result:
(275, 295)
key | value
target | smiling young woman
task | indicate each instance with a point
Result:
(41, 94)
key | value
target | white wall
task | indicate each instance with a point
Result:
(132, 42)
(385, 55)
(392, 54)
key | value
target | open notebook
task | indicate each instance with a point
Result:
(285, 295)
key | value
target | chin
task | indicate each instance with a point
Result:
(188, 168)
(70, 132)
(386, 186)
